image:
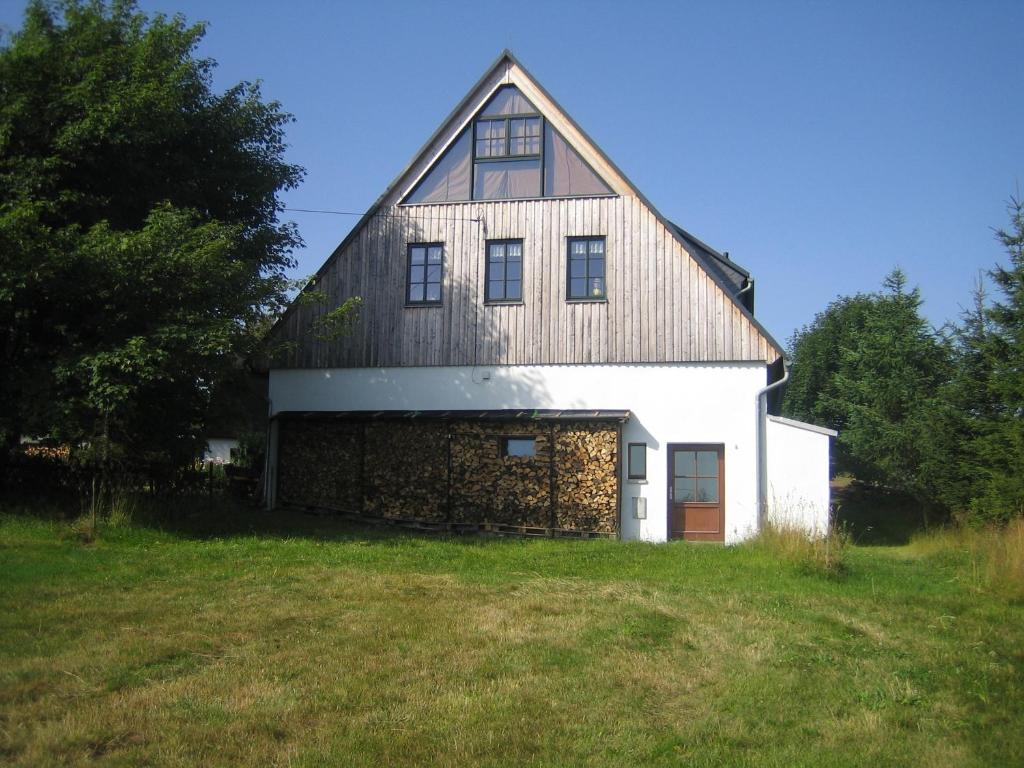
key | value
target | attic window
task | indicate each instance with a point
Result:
(509, 150)
(508, 137)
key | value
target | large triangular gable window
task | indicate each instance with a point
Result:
(508, 151)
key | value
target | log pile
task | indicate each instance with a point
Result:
(585, 466)
(318, 464)
(489, 487)
(405, 468)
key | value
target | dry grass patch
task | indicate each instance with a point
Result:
(990, 559)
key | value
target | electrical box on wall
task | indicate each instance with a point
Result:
(639, 508)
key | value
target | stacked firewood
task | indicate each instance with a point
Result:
(490, 487)
(406, 472)
(435, 471)
(585, 464)
(319, 463)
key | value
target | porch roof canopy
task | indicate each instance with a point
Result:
(506, 414)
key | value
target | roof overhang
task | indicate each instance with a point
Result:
(504, 414)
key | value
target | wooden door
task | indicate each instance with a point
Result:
(696, 492)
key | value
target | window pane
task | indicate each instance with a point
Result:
(707, 463)
(491, 129)
(450, 178)
(579, 247)
(532, 146)
(577, 268)
(513, 289)
(416, 292)
(597, 246)
(685, 464)
(596, 267)
(533, 126)
(638, 461)
(596, 287)
(496, 253)
(565, 173)
(518, 147)
(577, 289)
(514, 250)
(685, 489)
(433, 273)
(495, 290)
(506, 179)
(707, 489)
(416, 274)
(434, 254)
(518, 127)
(515, 446)
(514, 270)
(417, 255)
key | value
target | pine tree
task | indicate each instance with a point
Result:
(1000, 446)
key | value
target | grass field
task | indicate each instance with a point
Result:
(312, 643)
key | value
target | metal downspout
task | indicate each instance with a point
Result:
(268, 487)
(762, 445)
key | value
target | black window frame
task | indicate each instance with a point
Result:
(630, 474)
(491, 161)
(568, 269)
(488, 299)
(503, 442)
(507, 138)
(424, 302)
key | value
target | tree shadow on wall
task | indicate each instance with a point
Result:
(474, 338)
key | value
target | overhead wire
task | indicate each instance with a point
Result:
(403, 215)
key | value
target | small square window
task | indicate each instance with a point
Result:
(585, 271)
(518, 446)
(424, 273)
(637, 461)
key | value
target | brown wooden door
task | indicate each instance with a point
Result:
(696, 492)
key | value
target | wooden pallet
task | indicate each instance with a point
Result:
(482, 529)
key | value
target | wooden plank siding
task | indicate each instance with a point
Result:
(661, 306)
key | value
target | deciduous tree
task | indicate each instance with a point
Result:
(138, 225)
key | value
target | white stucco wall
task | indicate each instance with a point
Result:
(670, 403)
(798, 470)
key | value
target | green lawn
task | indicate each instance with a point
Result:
(314, 644)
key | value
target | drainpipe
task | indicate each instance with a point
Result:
(762, 445)
(268, 483)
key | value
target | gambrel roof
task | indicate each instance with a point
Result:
(704, 317)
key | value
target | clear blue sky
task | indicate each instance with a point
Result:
(821, 144)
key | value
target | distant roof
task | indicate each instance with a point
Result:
(505, 414)
(726, 269)
(803, 425)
